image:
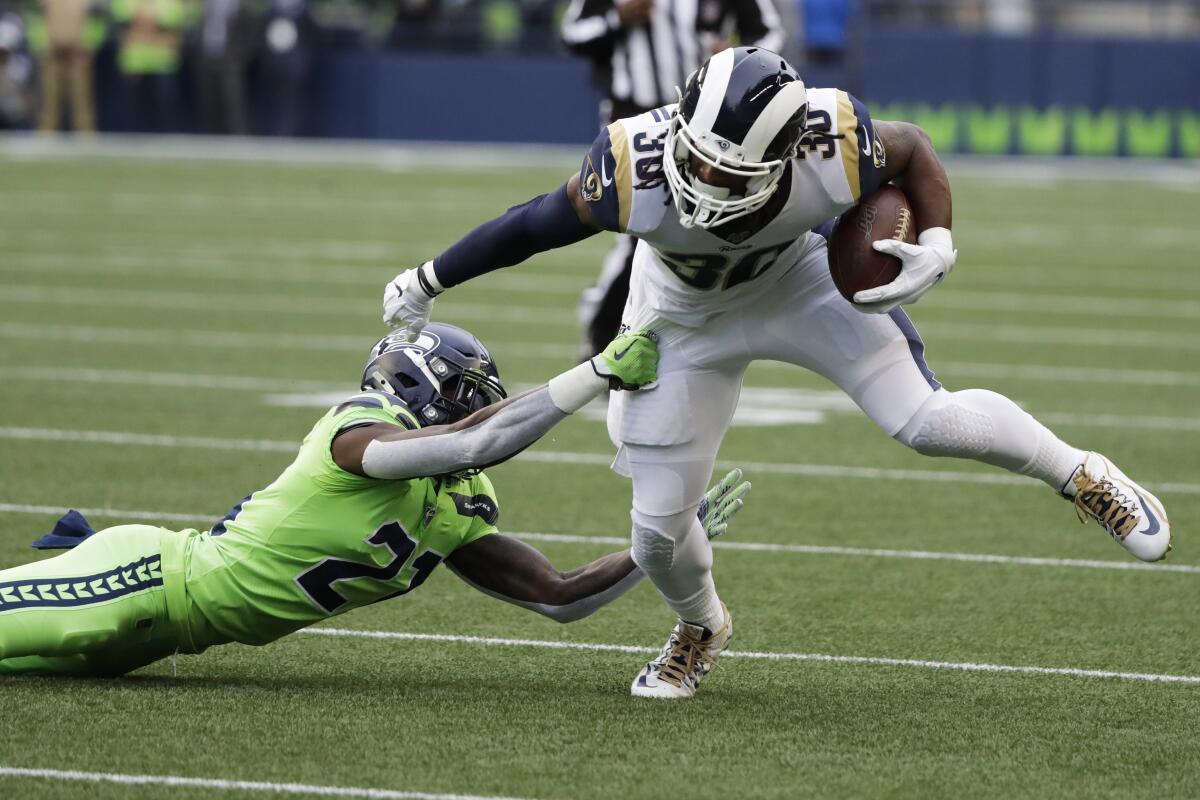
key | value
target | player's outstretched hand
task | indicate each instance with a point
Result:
(722, 502)
(408, 300)
(923, 265)
(630, 361)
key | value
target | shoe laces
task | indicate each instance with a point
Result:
(1100, 499)
(681, 657)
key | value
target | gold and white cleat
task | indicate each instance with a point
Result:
(690, 654)
(1129, 513)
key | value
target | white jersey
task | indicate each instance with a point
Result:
(692, 272)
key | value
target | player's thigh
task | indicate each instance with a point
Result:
(107, 592)
(668, 437)
(877, 359)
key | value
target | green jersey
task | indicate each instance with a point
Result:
(321, 541)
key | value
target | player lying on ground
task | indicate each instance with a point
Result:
(722, 191)
(385, 487)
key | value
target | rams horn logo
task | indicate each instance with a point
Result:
(721, 143)
(590, 187)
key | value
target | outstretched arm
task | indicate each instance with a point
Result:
(500, 431)
(510, 570)
(549, 221)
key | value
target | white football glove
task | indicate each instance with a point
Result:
(408, 300)
(721, 503)
(922, 266)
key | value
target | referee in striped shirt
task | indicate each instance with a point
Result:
(640, 51)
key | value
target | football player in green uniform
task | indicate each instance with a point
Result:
(385, 487)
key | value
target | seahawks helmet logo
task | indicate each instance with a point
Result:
(425, 343)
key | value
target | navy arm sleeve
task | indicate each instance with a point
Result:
(871, 156)
(544, 223)
(602, 183)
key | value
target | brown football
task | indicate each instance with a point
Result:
(853, 263)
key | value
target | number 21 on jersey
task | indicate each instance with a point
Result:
(318, 582)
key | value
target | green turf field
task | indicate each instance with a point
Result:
(208, 302)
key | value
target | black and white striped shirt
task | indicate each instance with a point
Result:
(641, 65)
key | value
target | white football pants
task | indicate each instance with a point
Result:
(668, 437)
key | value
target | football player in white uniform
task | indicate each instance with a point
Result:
(722, 191)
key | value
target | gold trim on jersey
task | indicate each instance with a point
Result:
(847, 127)
(619, 141)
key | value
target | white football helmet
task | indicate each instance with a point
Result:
(742, 112)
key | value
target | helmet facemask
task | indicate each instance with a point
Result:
(748, 131)
(702, 205)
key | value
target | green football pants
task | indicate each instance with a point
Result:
(99, 609)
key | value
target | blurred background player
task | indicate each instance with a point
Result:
(228, 36)
(641, 52)
(386, 486)
(66, 65)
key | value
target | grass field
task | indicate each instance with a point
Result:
(142, 300)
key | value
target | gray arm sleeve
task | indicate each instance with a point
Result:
(571, 611)
(512, 429)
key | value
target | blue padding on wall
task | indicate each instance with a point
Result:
(1152, 75)
(1076, 73)
(1006, 71)
(456, 98)
(906, 63)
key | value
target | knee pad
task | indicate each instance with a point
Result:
(652, 551)
(944, 425)
(662, 543)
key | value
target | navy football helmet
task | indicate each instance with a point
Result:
(445, 375)
(742, 112)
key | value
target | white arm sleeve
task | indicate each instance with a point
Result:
(572, 611)
(512, 429)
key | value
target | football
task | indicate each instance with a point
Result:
(853, 263)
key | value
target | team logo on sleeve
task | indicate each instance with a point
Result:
(591, 188)
(880, 153)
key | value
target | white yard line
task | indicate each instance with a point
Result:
(1041, 373)
(237, 269)
(475, 156)
(720, 544)
(223, 784)
(1041, 303)
(304, 305)
(964, 666)
(996, 478)
(231, 338)
(1010, 302)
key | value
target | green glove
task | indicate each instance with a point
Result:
(721, 503)
(630, 361)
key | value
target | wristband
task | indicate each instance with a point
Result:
(938, 238)
(575, 388)
(428, 280)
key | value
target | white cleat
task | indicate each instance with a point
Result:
(1129, 513)
(690, 653)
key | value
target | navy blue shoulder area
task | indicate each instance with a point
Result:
(872, 158)
(382, 401)
(597, 184)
